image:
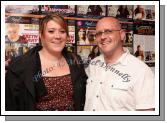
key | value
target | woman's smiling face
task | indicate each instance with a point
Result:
(54, 37)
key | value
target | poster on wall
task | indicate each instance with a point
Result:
(85, 33)
(71, 30)
(120, 11)
(84, 52)
(93, 11)
(64, 10)
(144, 41)
(21, 20)
(20, 38)
(144, 48)
(127, 26)
(22, 9)
(88, 53)
(128, 42)
(144, 27)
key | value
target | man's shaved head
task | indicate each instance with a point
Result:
(114, 23)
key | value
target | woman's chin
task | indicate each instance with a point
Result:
(58, 50)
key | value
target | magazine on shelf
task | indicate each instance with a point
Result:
(13, 50)
(120, 11)
(128, 42)
(144, 27)
(91, 11)
(20, 38)
(22, 9)
(71, 30)
(88, 52)
(64, 10)
(84, 51)
(144, 12)
(127, 26)
(21, 20)
(144, 46)
(85, 33)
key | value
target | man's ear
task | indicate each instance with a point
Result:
(122, 34)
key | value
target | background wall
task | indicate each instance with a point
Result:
(138, 21)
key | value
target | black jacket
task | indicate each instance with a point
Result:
(22, 90)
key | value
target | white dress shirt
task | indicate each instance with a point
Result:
(126, 85)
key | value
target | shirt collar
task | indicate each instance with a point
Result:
(122, 60)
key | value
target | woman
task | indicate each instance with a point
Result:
(47, 77)
(82, 37)
(139, 12)
(83, 50)
(122, 12)
(139, 53)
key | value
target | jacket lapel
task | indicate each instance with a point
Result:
(33, 80)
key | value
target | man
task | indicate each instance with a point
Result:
(117, 81)
(90, 36)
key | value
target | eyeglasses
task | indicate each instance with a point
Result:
(105, 32)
